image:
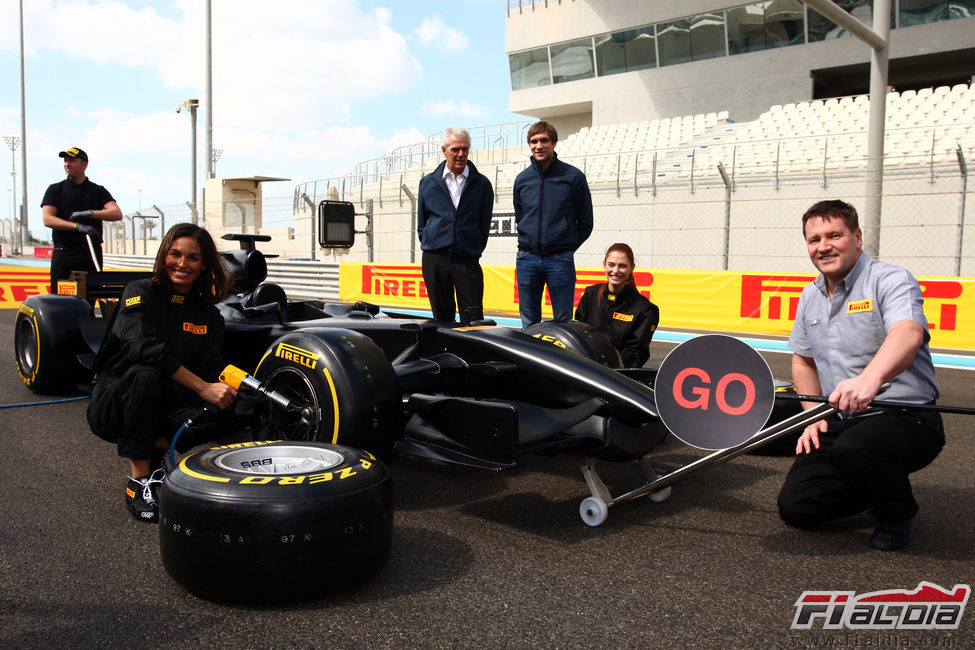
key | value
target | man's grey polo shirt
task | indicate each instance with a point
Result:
(842, 335)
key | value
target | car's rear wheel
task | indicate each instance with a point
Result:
(48, 340)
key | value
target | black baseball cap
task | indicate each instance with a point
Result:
(74, 152)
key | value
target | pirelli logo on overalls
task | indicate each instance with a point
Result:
(297, 355)
(860, 305)
(194, 329)
(626, 318)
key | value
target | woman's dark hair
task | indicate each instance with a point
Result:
(626, 250)
(213, 284)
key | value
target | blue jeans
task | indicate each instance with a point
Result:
(558, 271)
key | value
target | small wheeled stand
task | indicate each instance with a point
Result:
(594, 510)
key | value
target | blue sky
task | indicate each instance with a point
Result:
(302, 89)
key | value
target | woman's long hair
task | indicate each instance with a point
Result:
(212, 285)
(626, 250)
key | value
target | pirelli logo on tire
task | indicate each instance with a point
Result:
(296, 355)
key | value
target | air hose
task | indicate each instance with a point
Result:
(45, 402)
(239, 380)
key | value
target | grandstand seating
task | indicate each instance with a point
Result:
(923, 127)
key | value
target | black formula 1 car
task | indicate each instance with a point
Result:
(353, 375)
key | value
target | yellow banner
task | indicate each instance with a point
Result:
(725, 301)
(17, 283)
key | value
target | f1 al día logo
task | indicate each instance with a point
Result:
(929, 607)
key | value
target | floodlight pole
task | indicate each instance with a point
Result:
(209, 91)
(13, 142)
(192, 105)
(878, 39)
(23, 229)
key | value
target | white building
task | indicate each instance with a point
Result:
(580, 63)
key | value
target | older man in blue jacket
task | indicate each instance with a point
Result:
(553, 210)
(454, 209)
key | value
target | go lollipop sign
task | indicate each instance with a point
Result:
(714, 392)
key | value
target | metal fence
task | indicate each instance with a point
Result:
(299, 279)
(692, 207)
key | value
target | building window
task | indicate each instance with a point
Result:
(919, 12)
(572, 61)
(529, 69)
(821, 29)
(784, 24)
(765, 25)
(691, 39)
(961, 9)
(707, 36)
(633, 49)
(746, 28)
(674, 42)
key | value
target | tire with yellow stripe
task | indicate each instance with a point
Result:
(342, 389)
(274, 522)
(48, 340)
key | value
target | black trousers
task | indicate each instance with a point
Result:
(443, 276)
(143, 405)
(862, 464)
(66, 260)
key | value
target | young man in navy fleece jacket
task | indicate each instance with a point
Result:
(553, 210)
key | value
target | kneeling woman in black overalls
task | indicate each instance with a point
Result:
(160, 362)
(619, 310)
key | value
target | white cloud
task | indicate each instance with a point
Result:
(450, 107)
(402, 138)
(434, 31)
(145, 134)
(296, 65)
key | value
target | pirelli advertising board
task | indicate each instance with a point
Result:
(727, 301)
(17, 283)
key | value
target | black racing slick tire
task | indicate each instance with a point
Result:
(341, 387)
(274, 522)
(580, 338)
(48, 340)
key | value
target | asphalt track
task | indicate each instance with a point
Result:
(480, 559)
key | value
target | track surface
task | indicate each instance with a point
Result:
(479, 559)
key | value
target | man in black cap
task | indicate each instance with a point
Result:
(74, 209)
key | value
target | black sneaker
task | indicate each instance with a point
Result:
(891, 537)
(141, 496)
